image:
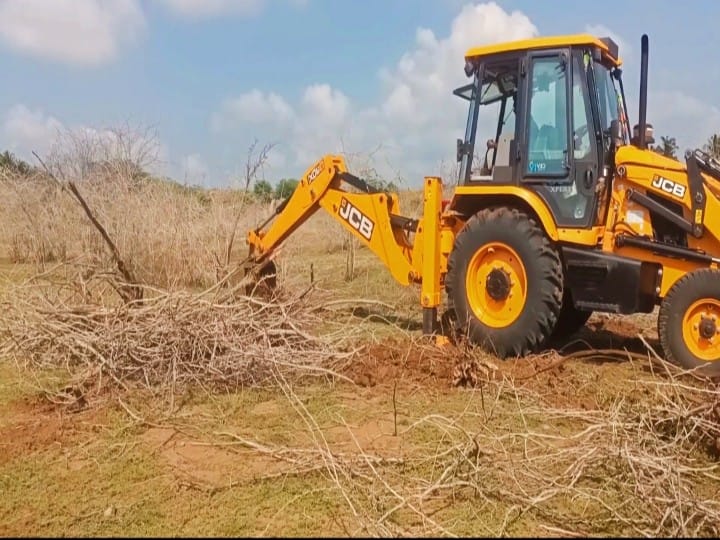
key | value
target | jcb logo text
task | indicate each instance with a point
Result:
(668, 186)
(359, 221)
(314, 173)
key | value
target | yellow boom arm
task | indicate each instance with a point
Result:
(371, 215)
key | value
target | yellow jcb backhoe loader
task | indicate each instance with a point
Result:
(565, 211)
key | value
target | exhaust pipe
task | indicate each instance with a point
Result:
(642, 119)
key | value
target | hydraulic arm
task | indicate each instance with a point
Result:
(409, 248)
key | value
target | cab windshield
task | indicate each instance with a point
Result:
(491, 99)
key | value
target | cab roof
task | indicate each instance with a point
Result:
(607, 46)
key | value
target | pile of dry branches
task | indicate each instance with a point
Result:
(219, 338)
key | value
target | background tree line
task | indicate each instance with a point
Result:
(669, 147)
(11, 163)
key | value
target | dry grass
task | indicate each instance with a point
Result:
(170, 236)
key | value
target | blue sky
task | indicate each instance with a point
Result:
(368, 78)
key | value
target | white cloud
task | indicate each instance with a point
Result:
(206, 9)
(687, 118)
(417, 120)
(422, 115)
(600, 30)
(325, 104)
(672, 110)
(82, 32)
(253, 108)
(25, 130)
(212, 8)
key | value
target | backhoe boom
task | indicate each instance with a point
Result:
(371, 215)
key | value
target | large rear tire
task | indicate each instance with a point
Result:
(689, 322)
(504, 283)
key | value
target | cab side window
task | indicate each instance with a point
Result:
(548, 122)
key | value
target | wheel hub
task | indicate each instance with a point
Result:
(700, 329)
(707, 328)
(498, 284)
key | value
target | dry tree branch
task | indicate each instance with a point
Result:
(171, 340)
(254, 163)
(129, 291)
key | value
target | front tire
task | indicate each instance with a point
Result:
(504, 283)
(689, 322)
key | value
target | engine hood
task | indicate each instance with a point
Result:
(631, 155)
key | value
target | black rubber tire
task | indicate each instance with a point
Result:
(692, 287)
(570, 319)
(543, 270)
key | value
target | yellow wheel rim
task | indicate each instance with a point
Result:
(496, 285)
(701, 329)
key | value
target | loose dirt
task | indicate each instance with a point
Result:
(395, 358)
(211, 465)
(563, 380)
(34, 424)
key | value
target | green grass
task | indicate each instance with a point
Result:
(122, 489)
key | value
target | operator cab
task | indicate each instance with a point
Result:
(547, 113)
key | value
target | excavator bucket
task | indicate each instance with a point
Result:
(261, 279)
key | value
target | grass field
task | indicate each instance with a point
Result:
(397, 437)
